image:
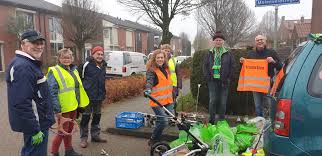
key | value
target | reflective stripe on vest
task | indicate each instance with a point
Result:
(163, 90)
(172, 68)
(254, 76)
(66, 94)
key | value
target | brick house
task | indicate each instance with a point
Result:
(316, 16)
(300, 32)
(39, 15)
(286, 30)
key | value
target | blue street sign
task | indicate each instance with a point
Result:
(259, 3)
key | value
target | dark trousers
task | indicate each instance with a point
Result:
(94, 109)
(68, 127)
(34, 150)
(218, 95)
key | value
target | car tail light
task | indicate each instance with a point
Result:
(124, 69)
(282, 117)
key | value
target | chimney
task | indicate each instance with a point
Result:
(302, 19)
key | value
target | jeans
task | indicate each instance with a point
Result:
(34, 150)
(218, 95)
(161, 122)
(93, 108)
(258, 100)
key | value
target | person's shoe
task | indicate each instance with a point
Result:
(83, 143)
(55, 154)
(99, 139)
(71, 152)
(151, 142)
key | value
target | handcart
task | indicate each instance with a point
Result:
(195, 147)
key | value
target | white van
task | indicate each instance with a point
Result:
(124, 63)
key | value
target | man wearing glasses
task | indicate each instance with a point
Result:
(29, 107)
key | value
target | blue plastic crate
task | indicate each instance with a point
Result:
(130, 120)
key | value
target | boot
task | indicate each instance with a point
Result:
(71, 152)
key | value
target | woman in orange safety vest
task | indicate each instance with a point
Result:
(159, 86)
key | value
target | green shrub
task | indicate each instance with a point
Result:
(186, 64)
(187, 103)
(239, 103)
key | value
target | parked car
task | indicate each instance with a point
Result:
(124, 63)
(296, 128)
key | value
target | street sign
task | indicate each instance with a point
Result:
(260, 3)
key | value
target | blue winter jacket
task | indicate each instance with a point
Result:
(93, 78)
(29, 105)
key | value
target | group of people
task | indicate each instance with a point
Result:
(35, 102)
(218, 70)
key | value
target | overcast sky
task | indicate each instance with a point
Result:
(188, 24)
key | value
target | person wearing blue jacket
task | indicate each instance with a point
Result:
(29, 106)
(93, 74)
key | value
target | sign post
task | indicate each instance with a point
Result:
(276, 3)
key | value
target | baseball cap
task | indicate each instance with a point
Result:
(32, 35)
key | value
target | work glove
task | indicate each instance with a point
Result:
(37, 138)
(147, 92)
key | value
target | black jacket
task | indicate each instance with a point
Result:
(93, 78)
(226, 70)
(255, 54)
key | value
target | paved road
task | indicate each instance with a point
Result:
(10, 143)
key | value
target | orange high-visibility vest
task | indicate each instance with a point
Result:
(163, 90)
(254, 76)
(278, 79)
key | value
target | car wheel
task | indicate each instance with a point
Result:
(159, 148)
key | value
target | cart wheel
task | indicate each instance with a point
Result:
(159, 148)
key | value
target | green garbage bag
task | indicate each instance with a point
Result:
(247, 128)
(244, 141)
(207, 132)
(224, 129)
(182, 139)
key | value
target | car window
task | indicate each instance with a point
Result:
(127, 58)
(315, 82)
(289, 62)
(113, 59)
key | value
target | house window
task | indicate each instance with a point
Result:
(107, 33)
(25, 19)
(55, 47)
(138, 42)
(55, 32)
(1, 58)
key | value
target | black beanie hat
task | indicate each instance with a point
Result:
(218, 34)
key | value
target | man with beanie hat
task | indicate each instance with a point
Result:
(93, 74)
(218, 70)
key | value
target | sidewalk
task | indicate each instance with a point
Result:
(117, 145)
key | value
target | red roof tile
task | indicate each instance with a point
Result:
(303, 29)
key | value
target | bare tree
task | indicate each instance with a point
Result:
(267, 25)
(81, 23)
(186, 44)
(201, 40)
(232, 17)
(161, 12)
(16, 25)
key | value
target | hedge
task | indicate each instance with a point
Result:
(239, 103)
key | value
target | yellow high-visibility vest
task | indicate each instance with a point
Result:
(254, 76)
(66, 94)
(172, 67)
